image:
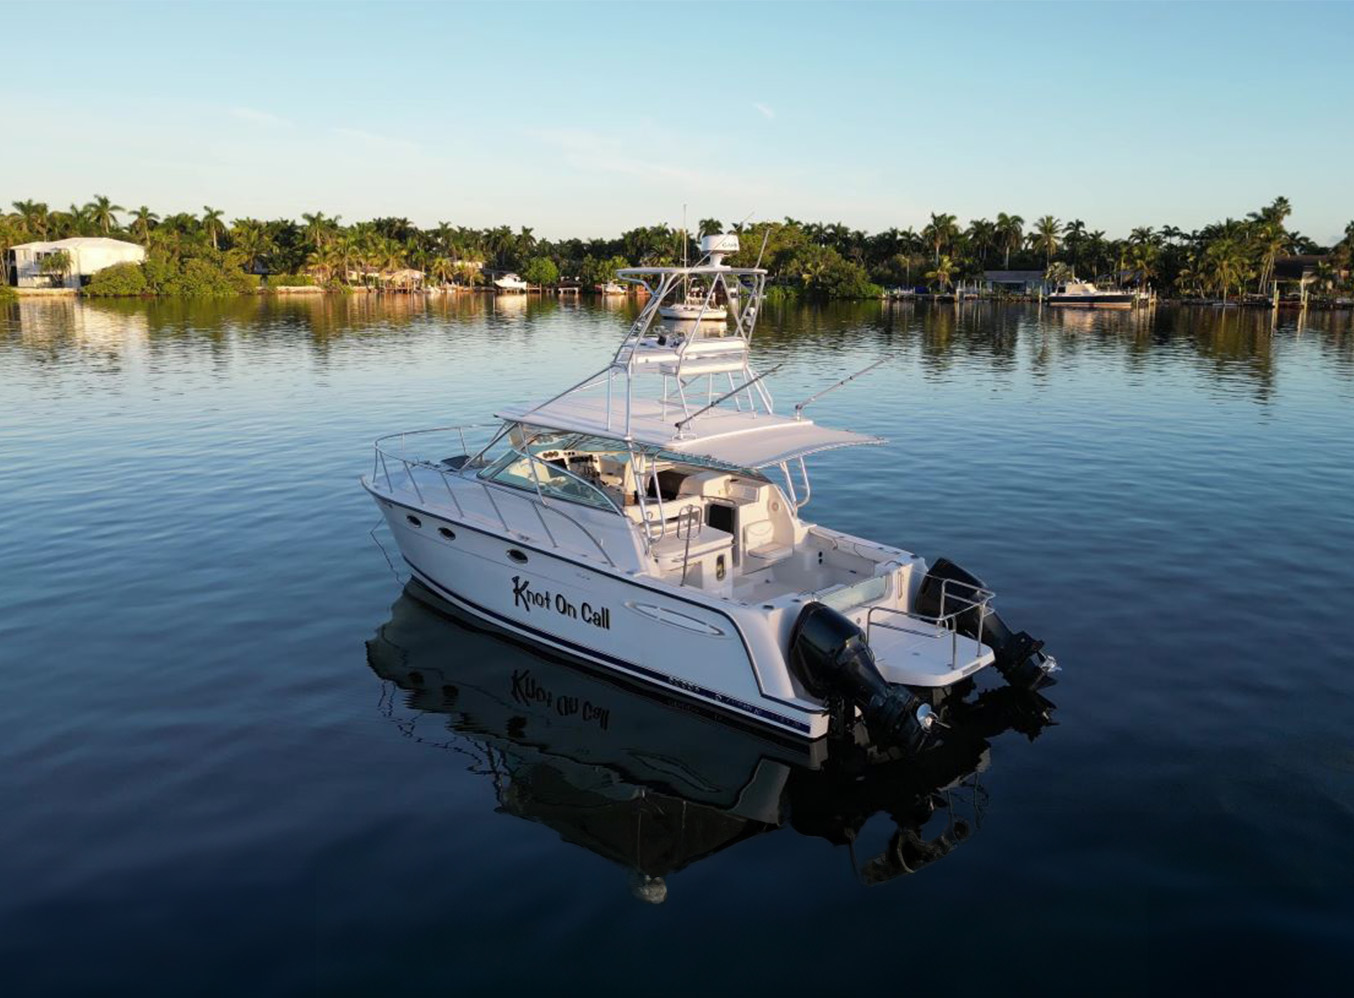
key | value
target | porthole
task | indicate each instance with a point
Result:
(414, 520)
(517, 556)
(447, 532)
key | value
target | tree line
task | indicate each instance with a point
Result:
(811, 258)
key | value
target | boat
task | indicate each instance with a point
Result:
(1084, 294)
(694, 305)
(510, 282)
(648, 520)
(694, 308)
(654, 786)
(611, 288)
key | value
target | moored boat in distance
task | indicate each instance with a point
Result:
(1084, 294)
(647, 520)
(695, 308)
(611, 288)
(510, 282)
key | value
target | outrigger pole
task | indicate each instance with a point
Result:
(730, 394)
(799, 409)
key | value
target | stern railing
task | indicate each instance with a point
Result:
(978, 601)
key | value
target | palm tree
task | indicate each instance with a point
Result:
(941, 232)
(142, 220)
(709, 227)
(470, 274)
(1010, 234)
(982, 236)
(525, 243)
(1277, 211)
(445, 237)
(320, 229)
(34, 214)
(347, 248)
(56, 266)
(314, 228)
(75, 221)
(1058, 273)
(1142, 236)
(1074, 235)
(324, 263)
(1045, 237)
(1144, 257)
(1271, 240)
(944, 268)
(250, 241)
(101, 212)
(1226, 264)
(1096, 249)
(442, 269)
(212, 224)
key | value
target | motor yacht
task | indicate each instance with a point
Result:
(1084, 294)
(650, 520)
(611, 288)
(510, 282)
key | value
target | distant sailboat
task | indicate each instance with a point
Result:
(696, 305)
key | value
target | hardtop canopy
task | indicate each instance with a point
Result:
(738, 439)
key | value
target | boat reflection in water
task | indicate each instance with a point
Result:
(655, 784)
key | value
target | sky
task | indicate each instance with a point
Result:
(588, 119)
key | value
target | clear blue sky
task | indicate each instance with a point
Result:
(585, 119)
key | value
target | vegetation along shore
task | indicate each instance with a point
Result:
(189, 254)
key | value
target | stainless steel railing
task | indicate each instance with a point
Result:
(978, 600)
(385, 453)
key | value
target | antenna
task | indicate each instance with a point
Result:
(799, 409)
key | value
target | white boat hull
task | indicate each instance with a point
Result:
(634, 628)
(692, 313)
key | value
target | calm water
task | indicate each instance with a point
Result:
(235, 760)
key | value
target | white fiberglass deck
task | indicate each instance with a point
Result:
(918, 653)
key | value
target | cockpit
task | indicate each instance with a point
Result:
(731, 531)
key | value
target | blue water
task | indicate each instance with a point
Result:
(235, 759)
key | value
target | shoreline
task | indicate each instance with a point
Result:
(314, 291)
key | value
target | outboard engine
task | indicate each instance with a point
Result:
(829, 655)
(948, 589)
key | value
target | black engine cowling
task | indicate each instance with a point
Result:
(1019, 657)
(829, 655)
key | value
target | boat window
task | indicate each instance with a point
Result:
(564, 466)
(595, 471)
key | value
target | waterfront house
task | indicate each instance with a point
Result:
(1307, 269)
(28, 265)
(1016, 282)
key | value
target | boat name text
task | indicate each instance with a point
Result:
(528, 599)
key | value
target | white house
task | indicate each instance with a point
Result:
(88, 255)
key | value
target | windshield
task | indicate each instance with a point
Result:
(568, 466)
(577, 467)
